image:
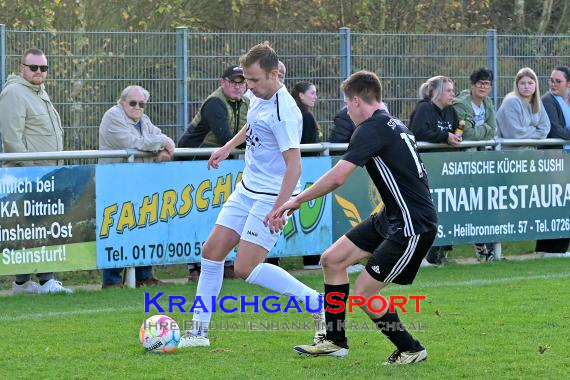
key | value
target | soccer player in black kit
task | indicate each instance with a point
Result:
(395, 240)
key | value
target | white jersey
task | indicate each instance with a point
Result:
(273, 126)
(248, 94)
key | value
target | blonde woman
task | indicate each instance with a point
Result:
(434, 119)
(522, 115)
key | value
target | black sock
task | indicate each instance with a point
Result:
(43, 282)
(335, 321)
(391, 326)
(20, 282)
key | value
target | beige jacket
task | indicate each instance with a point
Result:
(28, 121)
(117, 131)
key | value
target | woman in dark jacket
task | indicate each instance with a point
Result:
(557, 105)
(305, 94)
(434, 119)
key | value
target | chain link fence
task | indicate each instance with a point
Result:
(180, 69)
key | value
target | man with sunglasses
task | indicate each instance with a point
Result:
(220, 117)
(30, 123)
(125, 126)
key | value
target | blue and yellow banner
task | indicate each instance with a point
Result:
(163, 213)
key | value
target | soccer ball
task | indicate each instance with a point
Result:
(160, 333)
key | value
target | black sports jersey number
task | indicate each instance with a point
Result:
(411, 143)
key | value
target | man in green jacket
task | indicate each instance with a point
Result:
(30, 123)
(222, 115)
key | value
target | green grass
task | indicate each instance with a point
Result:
(501, 320)
(289, 263)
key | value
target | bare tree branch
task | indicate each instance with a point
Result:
(519, 14)
(545, 16)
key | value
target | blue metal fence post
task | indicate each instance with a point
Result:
(492, 61)
(181, 80)
(2, 55)
(345, 64)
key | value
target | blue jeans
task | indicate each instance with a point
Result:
(113, 276)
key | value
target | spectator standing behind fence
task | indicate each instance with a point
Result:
(476, 109)
(343, 127)
(221, 116)
(125, 126)
(557, 105)
(305, 95)
(435, 120)
(30, 123)
(522, 115)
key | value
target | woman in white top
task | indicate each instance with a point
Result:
(522, 115)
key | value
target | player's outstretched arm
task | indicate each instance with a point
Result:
(332, 179)
(223, 153)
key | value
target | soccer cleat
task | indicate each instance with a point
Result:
(483, 253)
(425, 264)
(324, 347)
(407, 357)
(192, 340)
(29, 287)
(320, 326)
(53, 286)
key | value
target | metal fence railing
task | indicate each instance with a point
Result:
(88, 70)
(324, 149)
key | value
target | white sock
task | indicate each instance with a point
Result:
(279, 280)
(209, 284)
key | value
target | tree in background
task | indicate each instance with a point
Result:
(513, 16)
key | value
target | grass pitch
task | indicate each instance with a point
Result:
(500, 320)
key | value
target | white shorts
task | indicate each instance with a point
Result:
(245, 215)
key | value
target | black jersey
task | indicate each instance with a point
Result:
(388, 149)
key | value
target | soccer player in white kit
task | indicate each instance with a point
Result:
(271, 176)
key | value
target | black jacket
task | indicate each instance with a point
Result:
(432, 124)
(310, 131)
(343, 127)
(558, 124)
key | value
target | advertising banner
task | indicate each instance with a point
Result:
(86, 217)
(163, 213)
(484, 196)
(500, 195)
(47, 219)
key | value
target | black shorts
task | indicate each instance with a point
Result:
(392, 260)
